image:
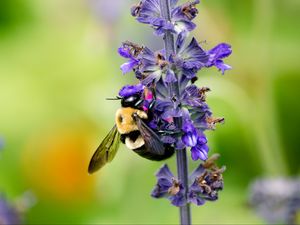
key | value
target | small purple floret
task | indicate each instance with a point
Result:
(216, 55)
(206, 182)
(190, 135)
(200, 150)
(168, 187)
(129, 90)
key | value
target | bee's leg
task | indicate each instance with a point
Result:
(138, 103)
(151, 104)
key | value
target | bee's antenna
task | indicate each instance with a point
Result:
(116, 98)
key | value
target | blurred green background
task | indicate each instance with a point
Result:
(58, 63)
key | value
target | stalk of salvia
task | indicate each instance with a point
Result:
(177, 110)
(182, 162)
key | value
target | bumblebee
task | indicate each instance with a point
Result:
(131, 129)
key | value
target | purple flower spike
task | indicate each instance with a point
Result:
(216, 55)
(177, 112)
(129, 90)
(168, 187)
(128, 66)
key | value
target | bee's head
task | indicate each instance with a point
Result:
(133, 101)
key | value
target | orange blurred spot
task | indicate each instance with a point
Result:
(56, 164)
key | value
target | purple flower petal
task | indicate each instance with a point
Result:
(164, 183)
(124, 52)
(195, 198)
(181, 39)
(152, 77)
(216, 55)
(170, 77)
(164, 172)
(191, 59)
(195, 153)
(220, 51)
(201, 139)
(129, 90)
(184, 26)
(222, 66)
(199, 152)
(178, 200)
(128, 66)
(189, 139)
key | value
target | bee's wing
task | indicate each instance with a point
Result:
(152, 141)
(106, 150)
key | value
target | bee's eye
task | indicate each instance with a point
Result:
(120, 119)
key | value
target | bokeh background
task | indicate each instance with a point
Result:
(58, 63)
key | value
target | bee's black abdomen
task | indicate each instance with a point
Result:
(135, 137)
(142, 151)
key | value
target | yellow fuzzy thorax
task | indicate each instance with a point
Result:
(124, 119)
